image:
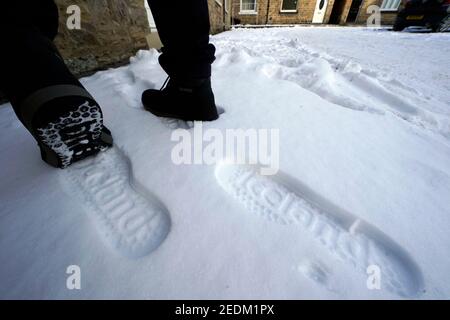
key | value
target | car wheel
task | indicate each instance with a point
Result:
(398, 26)
(444, 25)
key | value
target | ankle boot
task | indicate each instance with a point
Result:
(191, 100)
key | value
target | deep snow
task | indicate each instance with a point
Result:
(364, 120)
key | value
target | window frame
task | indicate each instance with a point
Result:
(288, 10)
(254, 11)
(384, 9)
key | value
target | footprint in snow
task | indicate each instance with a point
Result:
(129, 219)
(283, 201)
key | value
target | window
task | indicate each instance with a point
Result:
(390, 5)
(289, 6)
(248, 6)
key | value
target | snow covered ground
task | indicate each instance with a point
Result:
(363, 192)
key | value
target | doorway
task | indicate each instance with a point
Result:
(319, 13)
(337, 12)
(354, 11)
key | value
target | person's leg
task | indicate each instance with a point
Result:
(183, 27)
(187, 55)
(45, 95)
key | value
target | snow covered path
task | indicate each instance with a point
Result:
(364, 120)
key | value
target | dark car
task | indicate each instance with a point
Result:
(432, 14)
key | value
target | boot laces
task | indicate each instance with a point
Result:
(165, 83)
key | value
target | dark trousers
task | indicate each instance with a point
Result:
(29, 61)
(183, 26)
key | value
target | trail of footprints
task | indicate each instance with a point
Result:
(359, 244)
(343, 82)
(128, 220)
(135, 224)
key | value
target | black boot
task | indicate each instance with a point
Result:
(185, 100)
(62, 116)
(67, 128)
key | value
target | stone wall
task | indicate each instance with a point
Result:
(388, 18)
(363, 16)
(250, 18)
(111, 32)
(269, 12)
(114, 30)
(220, 15)
(220, 20)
